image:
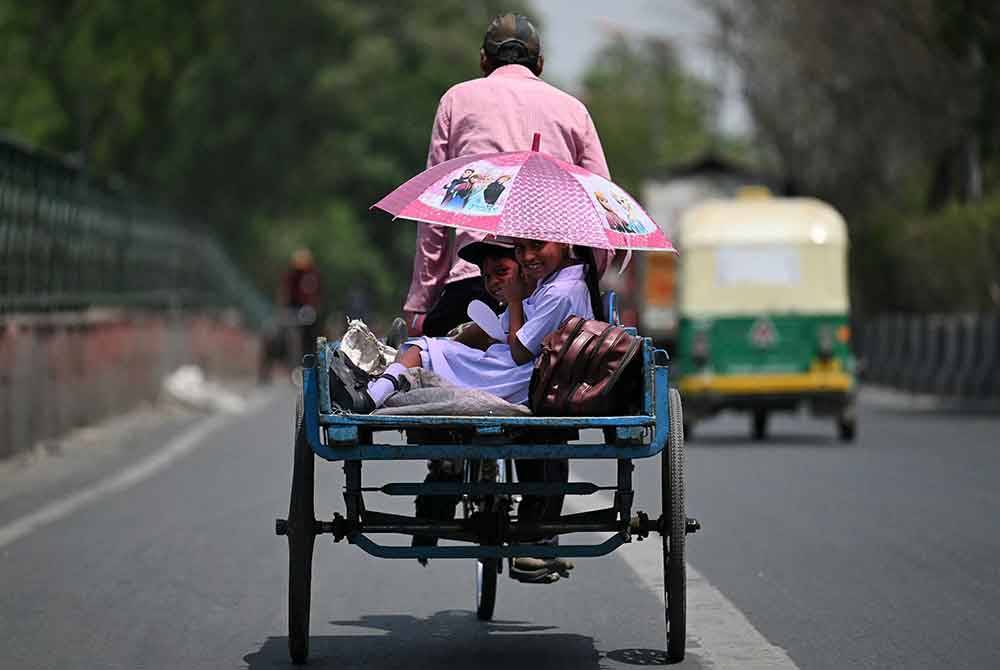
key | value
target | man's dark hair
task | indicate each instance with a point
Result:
(511, 39)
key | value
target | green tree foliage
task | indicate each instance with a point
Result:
(948, 260)
(648, 111)
(272, 124)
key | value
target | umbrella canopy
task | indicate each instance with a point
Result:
(527, 194)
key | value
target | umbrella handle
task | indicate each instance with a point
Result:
(536, 141)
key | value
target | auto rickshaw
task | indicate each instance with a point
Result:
(764, 311)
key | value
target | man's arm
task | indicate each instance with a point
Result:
(431, 262)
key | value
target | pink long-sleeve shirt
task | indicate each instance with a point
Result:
(501, 112)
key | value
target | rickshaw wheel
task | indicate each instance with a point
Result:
(301, 535)
(486, 587)
(674, 571)
(486, 568)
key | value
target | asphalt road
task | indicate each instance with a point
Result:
(881, 554)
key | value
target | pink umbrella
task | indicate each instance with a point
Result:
(527, 194)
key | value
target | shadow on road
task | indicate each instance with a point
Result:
(448, 639)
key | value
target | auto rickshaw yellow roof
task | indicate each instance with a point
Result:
(762, 220)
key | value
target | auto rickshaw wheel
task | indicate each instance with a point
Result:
(847, 421)
(759, 425)
(846, 428)
(301, 536)
(674, 570)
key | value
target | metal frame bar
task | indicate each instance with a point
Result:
(479, 551)
(486, 489)
(491, 535)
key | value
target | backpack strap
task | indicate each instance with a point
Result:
(609, 342)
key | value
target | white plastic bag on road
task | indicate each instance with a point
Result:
(187, 384)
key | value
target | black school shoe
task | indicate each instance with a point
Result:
(540, 570)
(349, 386)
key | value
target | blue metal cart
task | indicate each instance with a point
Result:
(489, 530)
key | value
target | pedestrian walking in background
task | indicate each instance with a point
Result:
(301, 295)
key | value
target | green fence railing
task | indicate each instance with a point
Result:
(69, 241)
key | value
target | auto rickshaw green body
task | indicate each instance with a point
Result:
(764, 311)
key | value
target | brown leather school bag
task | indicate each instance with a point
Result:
(579, 367)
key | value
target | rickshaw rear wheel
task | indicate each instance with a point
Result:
(674, 570)
(301, 536)
(487, 569)
(486, 587)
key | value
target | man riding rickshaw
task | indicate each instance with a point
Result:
(519, 386)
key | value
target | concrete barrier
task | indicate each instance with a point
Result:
(987, 382)
(905, 372)
(60, 371)
(962, 346)
(931, 368)
(955, 355)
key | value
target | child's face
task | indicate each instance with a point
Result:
(540, 259)
(497, 273)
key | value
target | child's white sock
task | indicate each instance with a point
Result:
(382, 388)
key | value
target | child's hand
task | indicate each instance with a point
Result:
(518, 288)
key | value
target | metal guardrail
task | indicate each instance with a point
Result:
(69, 241)
(955, 355)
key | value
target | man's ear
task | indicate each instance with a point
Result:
(540, 66)
(483, 63)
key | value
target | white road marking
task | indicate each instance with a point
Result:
(719, 634)
(182, 444)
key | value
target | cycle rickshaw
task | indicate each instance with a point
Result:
(489, 530)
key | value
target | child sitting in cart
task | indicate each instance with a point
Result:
(542, 283)
(498, 267)
(554, 283)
